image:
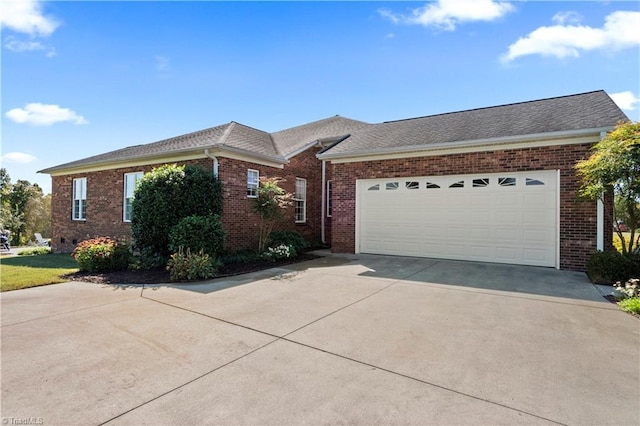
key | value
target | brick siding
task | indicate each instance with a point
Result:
(577, 218)
(105, 198)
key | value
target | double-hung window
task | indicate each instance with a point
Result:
(130, 180)
(79, 199)
(253, 180)
(301, 200)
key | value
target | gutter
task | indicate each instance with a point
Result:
(466, 143)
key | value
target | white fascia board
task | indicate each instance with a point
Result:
(508, 142)
(169, 157)
(124, 163)
(317, 143)
(250, 157)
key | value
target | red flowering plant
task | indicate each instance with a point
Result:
(101, 254)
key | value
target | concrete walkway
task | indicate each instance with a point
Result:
(339, 340)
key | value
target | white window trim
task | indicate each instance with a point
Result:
(329, 198)
(124, 198)
(303, 200)
(83, 197)
(257, 183)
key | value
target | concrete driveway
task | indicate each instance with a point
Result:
(339, 340)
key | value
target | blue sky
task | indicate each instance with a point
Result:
(83, 78)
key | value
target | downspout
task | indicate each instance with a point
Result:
(215, 161)
(324, 201)
(600, 216)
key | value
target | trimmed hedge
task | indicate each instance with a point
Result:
(198, 233)
(166, 195)
(609, 267)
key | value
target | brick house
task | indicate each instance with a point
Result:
(493, 184)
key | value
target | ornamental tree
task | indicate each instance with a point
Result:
(269, 204)
(614, 166)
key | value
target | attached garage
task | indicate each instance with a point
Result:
(509, 217)
(494, 184)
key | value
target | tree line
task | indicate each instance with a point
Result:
(25, 209)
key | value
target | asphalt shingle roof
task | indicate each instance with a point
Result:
(574, 112)
(290, 140)
(590, 110)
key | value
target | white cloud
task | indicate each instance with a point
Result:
(17, 157)
(26, 16)
(162, 62)
(626, 100)
(446, 14)
(567, 17)
(621, 30)
(37, 114)
(16, 45)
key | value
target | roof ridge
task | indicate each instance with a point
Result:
(248, 127)
(226, 132)
(494, 106)
(314, 122)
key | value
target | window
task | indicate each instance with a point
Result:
(458, 184)
(480, 183)
(507, 181)
(412, 185)
(375, 187)
(431, 185)
(79, 199)
(329, 198)
(301, 200)
(533, 182)
(130, 180)
(391, 186)
(253, 180)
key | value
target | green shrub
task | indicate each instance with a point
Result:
(609, 267)
(279, 252)
(166, 195)
(632, 304)
(147, 259)
(101, 254)
(185, 265)
(35, 251)
(288, 238)
(199, 233)
(241, 256)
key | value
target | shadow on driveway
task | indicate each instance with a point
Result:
(529, 280)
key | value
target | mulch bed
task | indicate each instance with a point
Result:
(160, 275)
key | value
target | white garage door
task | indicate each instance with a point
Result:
(504, 218)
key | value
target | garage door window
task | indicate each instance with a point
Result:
(375, 187)
(480, 183)
(534, 182)
(432, 185)
(412, 185)
(391, 186)
(458, 184)
(507, 181)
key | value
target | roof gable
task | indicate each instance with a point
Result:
(295, 138)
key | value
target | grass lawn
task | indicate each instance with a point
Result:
(18, 272)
